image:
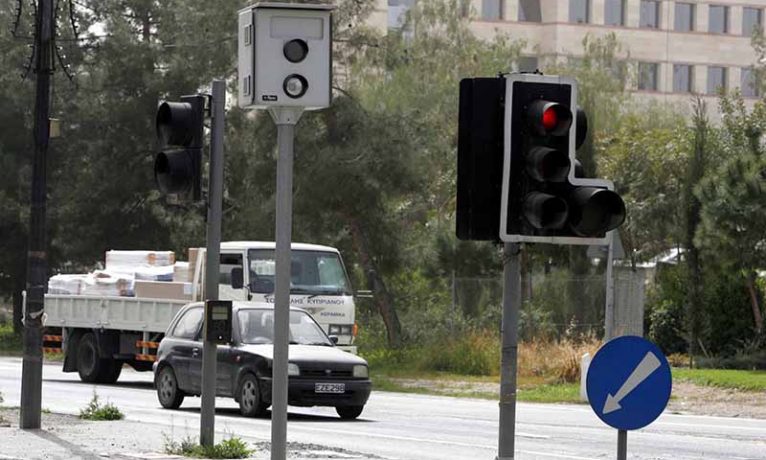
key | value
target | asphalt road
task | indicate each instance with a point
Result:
(404, 426)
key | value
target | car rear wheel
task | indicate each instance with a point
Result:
(250, 402)
(349, 412)
(168, 393)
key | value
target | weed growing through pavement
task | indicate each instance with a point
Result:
(232, 447)
(96, 411)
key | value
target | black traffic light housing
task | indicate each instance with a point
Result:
(542, 199)
(180, 135)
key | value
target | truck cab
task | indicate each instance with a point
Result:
(319, 283)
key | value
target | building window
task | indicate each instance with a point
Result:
(579, 11)
(716, 78)
(718, 19)
(751, 20)
(650, 14)
(682, 78)
(528, 64)
(647, 76)
(529, 11)
(748, 85)
(684, 17)
(492, 10)
(614, 12)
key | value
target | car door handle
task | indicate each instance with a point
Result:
(195, 352)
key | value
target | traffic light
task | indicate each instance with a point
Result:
(178, 165)
(542, 200)
(285, 55)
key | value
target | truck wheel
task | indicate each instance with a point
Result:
(349, 412)
(250, 402)
(168, 393)
(88, 361)
(110, 371)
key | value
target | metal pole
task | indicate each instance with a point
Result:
(285, 119)
(214, 212)
(37, 258)
(609, 312)
(508, 362)
(622, 445)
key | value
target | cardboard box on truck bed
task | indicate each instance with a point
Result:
(163, 290)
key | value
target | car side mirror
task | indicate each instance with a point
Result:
(237, 278)
(334, 339)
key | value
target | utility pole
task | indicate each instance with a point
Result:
(214, 212)
(37, 258)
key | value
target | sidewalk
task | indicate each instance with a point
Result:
(65, 437)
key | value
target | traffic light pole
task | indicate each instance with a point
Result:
(285, 118)
(214, 213)
(509, 356)
(37, 263)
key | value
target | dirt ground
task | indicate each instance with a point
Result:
(686, 398)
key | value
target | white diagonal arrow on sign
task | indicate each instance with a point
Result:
(649, 364)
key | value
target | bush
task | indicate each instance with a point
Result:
(232, 447)
(95, 411)
(474, 353)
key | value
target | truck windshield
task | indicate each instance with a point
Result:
(312, 272)
(257, 326)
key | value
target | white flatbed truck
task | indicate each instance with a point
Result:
(99, 334)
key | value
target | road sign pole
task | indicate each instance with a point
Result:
(508, 362)
(622, 445)
(285, 118)
(214, 213)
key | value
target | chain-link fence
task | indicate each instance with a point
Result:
(556, 304)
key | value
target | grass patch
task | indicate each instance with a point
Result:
(550, 393)
(232, 447)
(10, 342)
(97, 411)
(723, 378)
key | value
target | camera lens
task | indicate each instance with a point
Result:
(295, 86)
(296, 50)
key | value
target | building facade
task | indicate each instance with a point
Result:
(675, 48)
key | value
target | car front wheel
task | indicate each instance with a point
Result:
(349, 412)
(168, 393)
(250, 401)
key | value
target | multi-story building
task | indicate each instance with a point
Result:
(675, 48)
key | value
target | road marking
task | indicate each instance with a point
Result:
(649, 364)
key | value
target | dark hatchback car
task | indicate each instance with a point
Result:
(319, 373)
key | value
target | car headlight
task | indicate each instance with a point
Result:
(293, 369)
(334, 329)
(361, 371)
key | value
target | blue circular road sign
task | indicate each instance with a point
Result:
(628, 383)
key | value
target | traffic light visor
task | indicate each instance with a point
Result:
(545, 211)
(174, 171)
(174, 123)
(595, 211)
(549, 118)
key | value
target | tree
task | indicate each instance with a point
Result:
(733, 195)
(692, 205)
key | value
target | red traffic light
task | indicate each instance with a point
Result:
(549, 118)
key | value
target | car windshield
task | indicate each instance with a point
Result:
(312, 272)
(257, 327)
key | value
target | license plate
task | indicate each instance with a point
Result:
(329, 388)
